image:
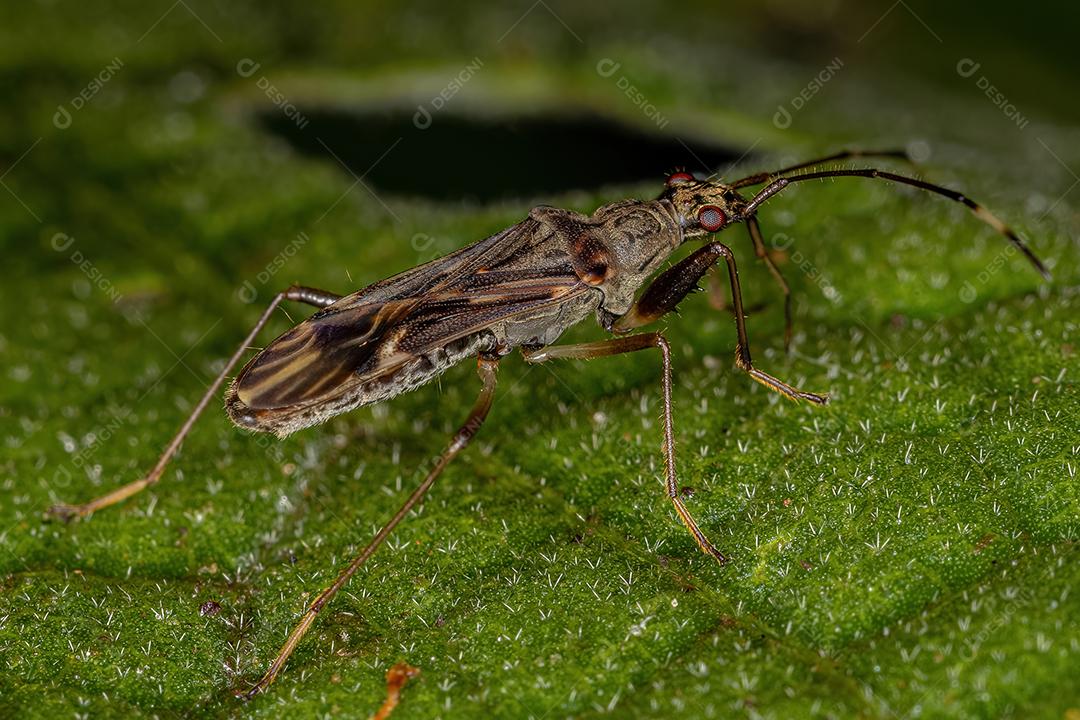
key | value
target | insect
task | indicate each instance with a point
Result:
(518, 289)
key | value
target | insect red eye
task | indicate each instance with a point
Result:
(711, 218)
(679, 178)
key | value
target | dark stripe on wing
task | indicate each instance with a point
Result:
(317, 356)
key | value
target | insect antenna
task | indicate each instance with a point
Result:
(979, 211)
(764, 177)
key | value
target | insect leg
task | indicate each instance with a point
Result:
(759, 249)
(298, 293)
(632, 343)
(669, 289)
(763, 177)
(488, 369)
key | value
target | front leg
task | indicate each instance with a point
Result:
(673, 285)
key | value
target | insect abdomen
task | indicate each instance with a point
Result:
(409, 375)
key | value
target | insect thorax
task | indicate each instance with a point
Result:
(636, 237)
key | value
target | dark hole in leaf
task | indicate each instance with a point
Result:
(477, 158)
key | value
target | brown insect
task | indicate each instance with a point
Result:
(520, 288)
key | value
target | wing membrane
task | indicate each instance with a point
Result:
(317, 355)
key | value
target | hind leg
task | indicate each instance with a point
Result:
(298, 293)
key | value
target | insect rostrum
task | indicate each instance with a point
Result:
(518, 289)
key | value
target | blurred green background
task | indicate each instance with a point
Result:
(906, 551)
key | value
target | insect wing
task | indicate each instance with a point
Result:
(376, 330)
(318, 355)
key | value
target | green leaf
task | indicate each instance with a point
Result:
(907, 550)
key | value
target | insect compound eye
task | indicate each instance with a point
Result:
(711, 218)
(679, 178)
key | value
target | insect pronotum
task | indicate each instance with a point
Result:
(520, 288)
